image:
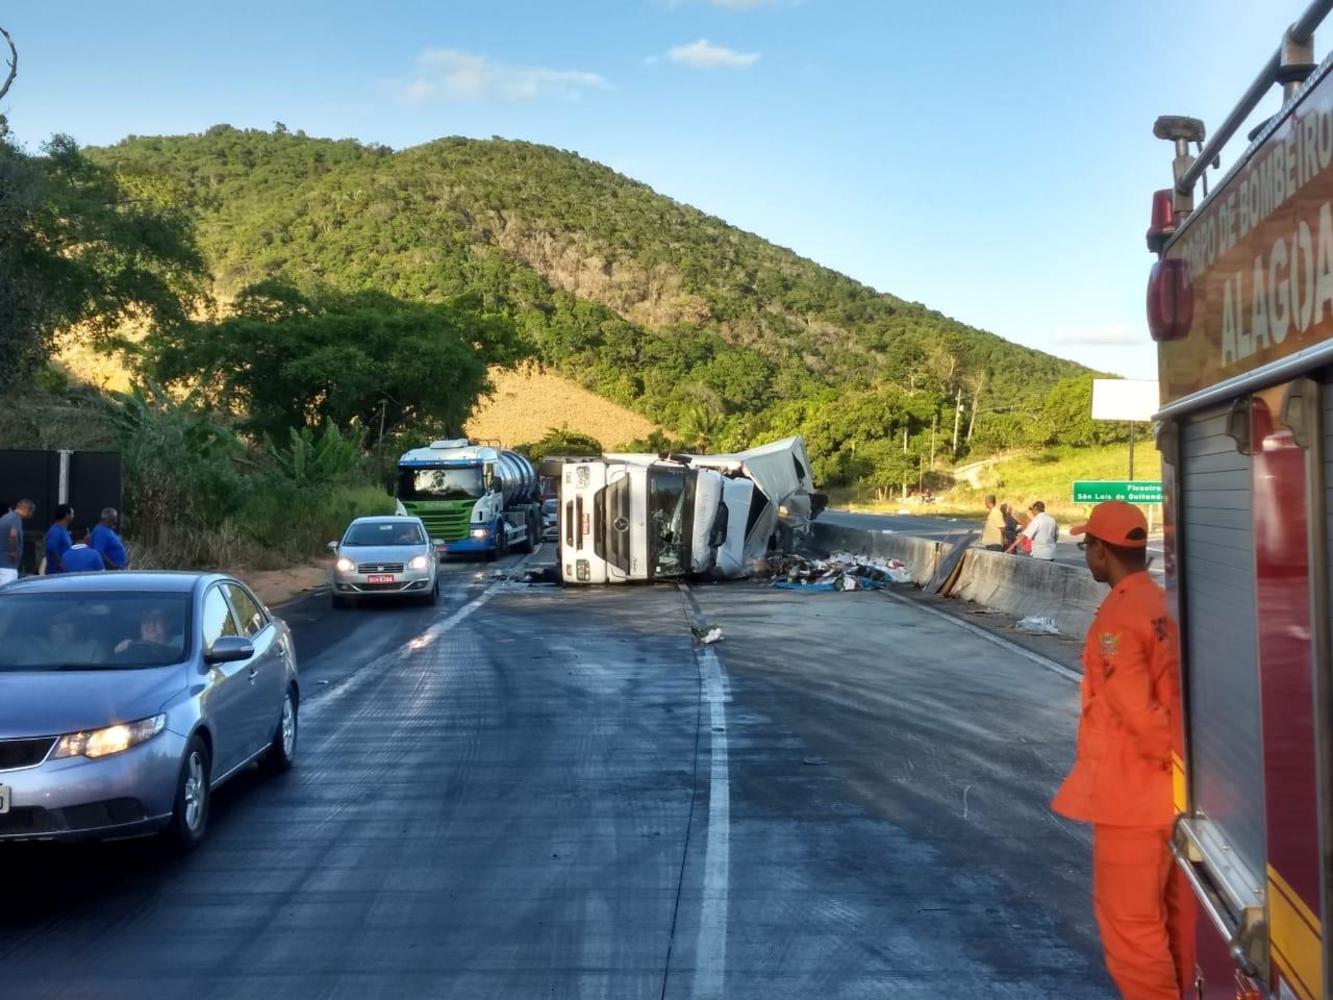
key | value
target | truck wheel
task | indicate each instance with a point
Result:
(530, 538)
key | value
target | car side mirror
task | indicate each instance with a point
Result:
(437, 542)
(333, 547)
(229, 649)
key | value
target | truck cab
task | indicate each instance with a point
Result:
(477, 499)
(662, 520)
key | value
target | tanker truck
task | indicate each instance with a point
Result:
(477, 499)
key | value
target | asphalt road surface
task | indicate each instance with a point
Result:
(1067, 551)
(534, 791)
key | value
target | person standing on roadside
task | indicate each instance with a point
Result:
(11, 540)
(1042, 532)
(57, 538)
(1010, 526)
(81, 557)
(1121, 781)
(992, 535)
(107, 542)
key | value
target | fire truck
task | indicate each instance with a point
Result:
(1240, 303)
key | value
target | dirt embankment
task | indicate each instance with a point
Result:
(277, 586)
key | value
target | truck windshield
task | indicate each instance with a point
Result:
(440, 484)
(670, 494)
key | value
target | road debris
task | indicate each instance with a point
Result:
(841, 571)
(707, 634)
(1037, 625)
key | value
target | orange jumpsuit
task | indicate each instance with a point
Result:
(1121, 782)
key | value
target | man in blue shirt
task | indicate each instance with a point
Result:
(107, 542)
(57, 538)
(79, 557)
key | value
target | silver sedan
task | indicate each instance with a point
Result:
(127, 698)
(385, 557)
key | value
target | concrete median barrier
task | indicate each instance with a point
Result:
(1017, 585)
(920, 555)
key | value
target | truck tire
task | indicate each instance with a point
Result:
(530, 538)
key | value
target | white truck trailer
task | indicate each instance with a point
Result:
(644, 517)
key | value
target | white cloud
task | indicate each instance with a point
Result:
(705, 55)
(449, 75)
(1111, 335)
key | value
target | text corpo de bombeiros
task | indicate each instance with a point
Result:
(1289, 287)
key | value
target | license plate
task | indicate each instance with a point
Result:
(380, 578)
(4, 799)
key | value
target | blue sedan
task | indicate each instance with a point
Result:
(127, 698)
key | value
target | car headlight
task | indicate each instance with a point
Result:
(419, 562)
(345, 565)
(481, 532)
(111, 740)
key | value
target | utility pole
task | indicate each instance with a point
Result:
(957, 416)
(934, 423)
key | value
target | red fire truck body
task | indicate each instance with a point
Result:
(1241, 304)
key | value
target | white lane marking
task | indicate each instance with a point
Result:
(710, 964)
(1013, 647)
(315, 703)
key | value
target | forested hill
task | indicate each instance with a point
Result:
(645, 300)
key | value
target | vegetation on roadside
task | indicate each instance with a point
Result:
(711, 332)
(1045, 474)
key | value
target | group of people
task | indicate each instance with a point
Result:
(1034, 536)
(70, 547)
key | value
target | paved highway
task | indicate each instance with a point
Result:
(532, 791)
(943, 527)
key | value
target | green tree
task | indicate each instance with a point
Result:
(83, 248)
(561, 441)
(1066, 416)
(291, 359)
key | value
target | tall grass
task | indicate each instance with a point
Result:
(1045, 474)
(198, 495)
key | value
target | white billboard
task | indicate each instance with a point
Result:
(1132, 399)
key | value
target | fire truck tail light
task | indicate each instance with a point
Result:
(1170, 300)
(1163, 222)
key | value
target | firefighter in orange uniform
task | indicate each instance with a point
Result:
(1121, 781)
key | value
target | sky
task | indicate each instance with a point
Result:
(994, 161)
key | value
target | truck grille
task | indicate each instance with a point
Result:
(379, 567)
(449, 523)
(24, 753)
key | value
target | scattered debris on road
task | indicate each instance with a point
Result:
(707, 634)
(1037, 625)
(841, 571)
(547, 573)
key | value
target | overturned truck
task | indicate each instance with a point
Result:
(631, 517)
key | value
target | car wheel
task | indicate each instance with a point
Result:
(282, 751)
(189, 817)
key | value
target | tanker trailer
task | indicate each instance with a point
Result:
(474, 499)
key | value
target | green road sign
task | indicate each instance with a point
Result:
(1136, 491)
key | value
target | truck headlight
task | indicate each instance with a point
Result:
(481, 532)
(111, 740)
(583, 571)
(419, 563)
(345, 565)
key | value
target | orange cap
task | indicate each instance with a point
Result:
(1116, 523)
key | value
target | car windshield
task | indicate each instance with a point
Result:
(384, 533)
(78, 630)
(463, 483)
(550, 506)
(668, 532)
